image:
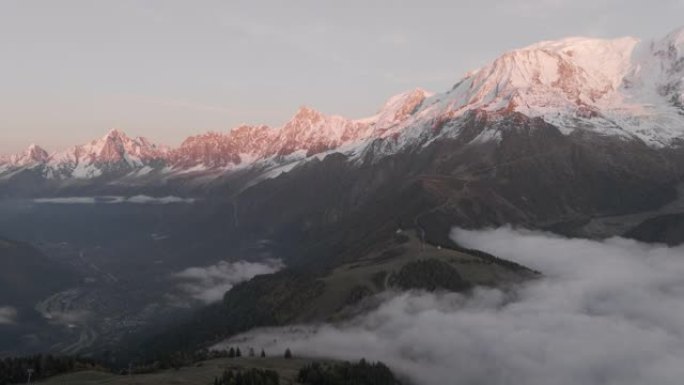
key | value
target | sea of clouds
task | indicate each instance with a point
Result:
(605, 312)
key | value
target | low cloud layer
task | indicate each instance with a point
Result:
(608, 312)
(8, 315)
(209, 283)
(137, 199)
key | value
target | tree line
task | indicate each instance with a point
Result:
(248, 377)
(347, 373)
(15, 370)
(341, 373)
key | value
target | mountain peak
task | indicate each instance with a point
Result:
(676, 36)
(34, 148)
(563, 74)
(33, 155)
(113, 151)
(399, 108)
(305, 113)
(36, 152)
(115, 133)
(407, 95)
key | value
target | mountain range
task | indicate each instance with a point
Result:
(624, 88)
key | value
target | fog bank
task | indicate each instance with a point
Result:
(609, 312)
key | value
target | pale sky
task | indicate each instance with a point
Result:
(70, 70)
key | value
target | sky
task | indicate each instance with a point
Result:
(74, 69)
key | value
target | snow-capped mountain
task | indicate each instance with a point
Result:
(221, 150)
(113, 152)
(33, 155)
(623, 88)
(307, 133)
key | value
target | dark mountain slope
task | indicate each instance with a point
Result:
(27, 275)
(534, 177)
(668, 229)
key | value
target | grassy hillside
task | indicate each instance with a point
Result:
(401, 262)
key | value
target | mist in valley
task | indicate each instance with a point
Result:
(208, 284)
(605, 312)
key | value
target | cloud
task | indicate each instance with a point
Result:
(144, 199)
(67, 200)
(209, 283)
(137, 199)
(8, 315)
(609, 312)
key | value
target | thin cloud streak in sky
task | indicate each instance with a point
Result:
(608, 312)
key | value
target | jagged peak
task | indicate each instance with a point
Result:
(146, 141)
(36, 149)
(240, 130)
(36, 152)
(305, 113)
(114, 147)
(208, 134)
(398, 108)
(244, 127)
(406, 96)
(676, 36)
(33, 154)
(670, 47)
(118, 136)
(115, 134)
